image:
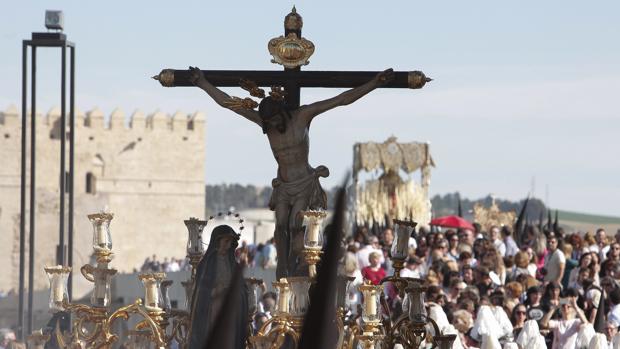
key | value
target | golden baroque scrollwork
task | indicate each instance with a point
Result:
(410, 335)
(99, 334)
(273, 333)
(252, 88)
(290, 51)
(236, 103)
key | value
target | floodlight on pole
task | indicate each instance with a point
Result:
(54, 20)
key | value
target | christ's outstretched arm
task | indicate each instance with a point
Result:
(220, 97)
(308, 112)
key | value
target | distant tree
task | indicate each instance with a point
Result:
(264, 195)
(447, 204)
(221, 197)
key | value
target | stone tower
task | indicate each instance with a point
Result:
(146, 169)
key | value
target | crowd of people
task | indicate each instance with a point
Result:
(544, 289)
(547, 290)
(168, 265)
(9, 341)
(262, 255)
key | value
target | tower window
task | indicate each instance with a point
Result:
(91, 183)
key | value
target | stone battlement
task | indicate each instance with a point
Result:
(147, 168)
(116, 120)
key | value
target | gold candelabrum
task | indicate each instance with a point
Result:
(282, 327)
(195, 245)
(92, 324)
(372, 327)
(313, 238)
(415, 328)
(160, 325)
(283, 330)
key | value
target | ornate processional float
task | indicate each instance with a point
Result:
(390, 194)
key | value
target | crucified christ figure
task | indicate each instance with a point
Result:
(296, 187)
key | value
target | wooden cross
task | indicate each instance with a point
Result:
(292, 79)
(294, 189)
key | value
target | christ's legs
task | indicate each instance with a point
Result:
(282, 239)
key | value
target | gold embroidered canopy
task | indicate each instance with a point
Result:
(391, 155)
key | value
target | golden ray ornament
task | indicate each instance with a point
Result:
(290, 51)
(493, 216)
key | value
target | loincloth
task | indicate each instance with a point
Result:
(307, 188)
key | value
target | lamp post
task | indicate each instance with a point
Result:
(54, 21)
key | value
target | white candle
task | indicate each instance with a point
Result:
(58, 289)
(371, 304)
(195, 245)
(102, 238)
(100, 292)
(313, 232)
(151, 294)
(283, 301)
(403, 242)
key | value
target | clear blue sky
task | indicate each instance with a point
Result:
(522, 90)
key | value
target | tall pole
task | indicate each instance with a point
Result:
(22, 203)
(66, 179)
(63, 139)
(31, 240)
(71, 163)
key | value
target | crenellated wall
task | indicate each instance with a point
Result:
(146, 168)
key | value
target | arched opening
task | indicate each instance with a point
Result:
(91, 182)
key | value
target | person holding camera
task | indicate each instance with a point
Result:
(566, 329)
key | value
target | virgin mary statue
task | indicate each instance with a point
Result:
(213, 281)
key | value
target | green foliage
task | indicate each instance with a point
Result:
(448, 205)
(587, 218)
(223, 197)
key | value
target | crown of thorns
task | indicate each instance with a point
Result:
(277, 93)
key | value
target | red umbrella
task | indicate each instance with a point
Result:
(452, 222)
